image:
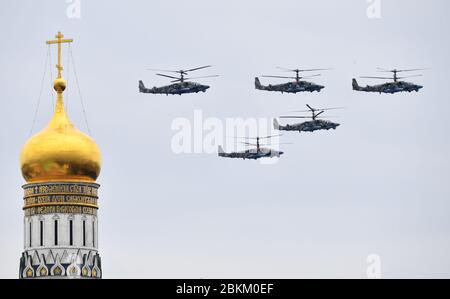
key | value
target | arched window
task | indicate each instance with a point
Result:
(84, 232)
(31, 233)
(93, 233)
(56, 232)
(41, 232)
(71, 232)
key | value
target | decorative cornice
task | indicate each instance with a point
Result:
(75, 265)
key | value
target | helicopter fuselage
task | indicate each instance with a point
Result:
(252, 154)
(290, 87)
(309, 126)
(390, 87)
(174, 89)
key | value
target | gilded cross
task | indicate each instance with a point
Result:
(59, 40)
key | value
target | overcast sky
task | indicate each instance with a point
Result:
(379, 184)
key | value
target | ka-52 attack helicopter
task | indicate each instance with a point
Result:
(310, 126)
(254, 153)
(180, 85)
(292, 87)
(390, 87)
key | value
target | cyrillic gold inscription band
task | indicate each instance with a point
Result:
(61, 188)
(60, 209)
(61, 199)
(71, 198)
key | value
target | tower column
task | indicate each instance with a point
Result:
(60, 165)
(60, 227)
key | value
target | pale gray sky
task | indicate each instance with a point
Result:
(377, 185)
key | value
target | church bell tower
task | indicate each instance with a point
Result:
(60, 166)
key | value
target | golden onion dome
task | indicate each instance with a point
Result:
(60, 152)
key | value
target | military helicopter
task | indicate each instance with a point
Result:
(309, 126)
(254, 153)
(180, 85)
(390, 87)
(292, 87)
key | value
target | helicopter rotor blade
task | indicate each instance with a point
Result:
(370, 77)
(400, 71)
(300, 70)
(276, 144)
(158, 70)
(307, 117)
(211, 76)
(334, 108)
(254, 138)
(413, 76)
(314, 70)
(295, 117)
(171, 77)
(280, 77)
(285, 69)
(184, 72)
(411, 70)
(299, 111)
(321, 112)
(265, 144)
(385, 70)
(260, 138)
(197, 68)
(322, 109)
(285, 77)
(310, 108)
(307, 77)
(269, 137)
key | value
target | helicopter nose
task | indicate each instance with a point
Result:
(281, 153)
